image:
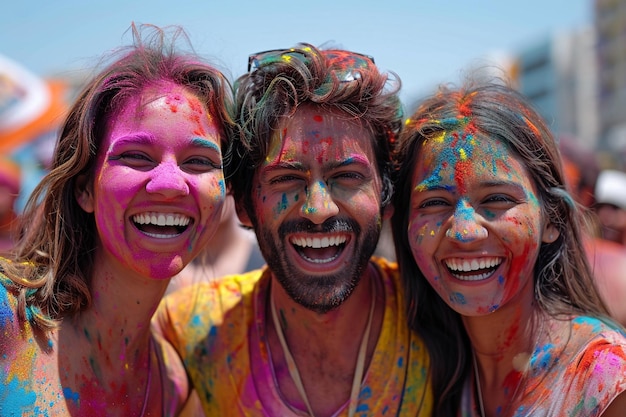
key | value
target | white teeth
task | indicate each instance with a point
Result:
(473, 277)
(469, 265)
(318, 243)
(162, 219)
(321, 261)
(161, 236)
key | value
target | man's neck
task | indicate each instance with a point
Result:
(324, 346)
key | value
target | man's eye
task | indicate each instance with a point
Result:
(349, 175)
(283, 178)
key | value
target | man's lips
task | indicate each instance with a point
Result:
(320, 248)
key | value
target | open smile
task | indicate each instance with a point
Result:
(320, 250)
(473, 269)
(162, 225)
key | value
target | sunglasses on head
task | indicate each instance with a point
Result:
(344, 62)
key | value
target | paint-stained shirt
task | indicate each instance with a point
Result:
(574, 376)
(218, 330)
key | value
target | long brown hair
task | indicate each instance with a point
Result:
(563, 281)
(52, 267)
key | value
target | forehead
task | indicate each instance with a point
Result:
(169, 92)
(457, 156)
(314, 129)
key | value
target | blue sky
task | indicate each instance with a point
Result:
(424, 41)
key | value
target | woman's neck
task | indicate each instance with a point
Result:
(121, 309)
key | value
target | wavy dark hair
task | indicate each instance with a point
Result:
(276, 87)
(53, 262)
(563, 282)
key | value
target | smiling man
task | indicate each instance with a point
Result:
(322, 330)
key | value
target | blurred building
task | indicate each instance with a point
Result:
(558, 74)
(577, 81)
(610, 24)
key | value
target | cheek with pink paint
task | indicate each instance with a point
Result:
(124, 184)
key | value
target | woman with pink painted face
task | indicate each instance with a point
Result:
(489, 246)
(135, 191)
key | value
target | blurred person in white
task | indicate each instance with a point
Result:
(611, 205)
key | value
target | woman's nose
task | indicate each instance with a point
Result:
(466, 224)
(168, 180)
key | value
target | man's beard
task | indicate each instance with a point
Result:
(319, 293)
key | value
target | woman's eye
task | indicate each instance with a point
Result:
(203, 163)
(134, 156)
(133, 159)
(434, 202)
(499, 198)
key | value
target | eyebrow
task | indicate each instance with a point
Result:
(203, 143)
(425, 186)
(145, 138)
(295, 166)
(142, 138)
(352, 160)
(298, 166)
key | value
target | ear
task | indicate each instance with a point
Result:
(550, 233)
(243, 214)
(83, 192)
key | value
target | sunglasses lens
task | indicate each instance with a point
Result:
(345, 64)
